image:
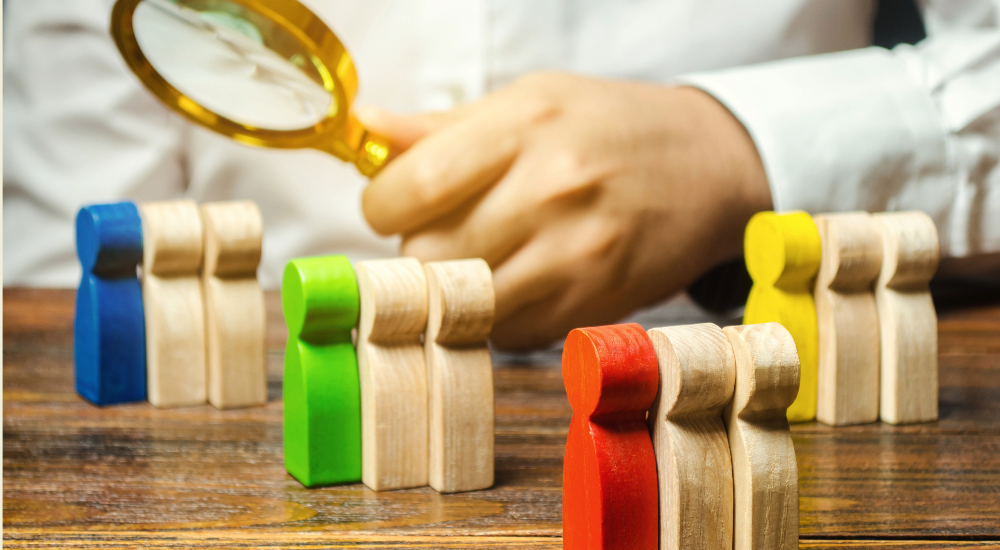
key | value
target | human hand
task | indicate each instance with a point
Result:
(589, 198)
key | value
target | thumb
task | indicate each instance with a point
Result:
(401, 130)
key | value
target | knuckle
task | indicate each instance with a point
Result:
(424, 185)
(570, 165)
(537, 96)
(572, 181)
(539, 108)
(604, 241)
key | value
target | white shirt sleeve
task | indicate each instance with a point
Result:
(915, 128)
(78, 130)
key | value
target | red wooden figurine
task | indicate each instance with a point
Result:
(609, 474)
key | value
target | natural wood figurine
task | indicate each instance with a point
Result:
(322, 397)
(782, 255)
(109, 342)
(908, 324)
(234, 304)
(765, 475)
(460, 375)
(172, 300)
(693, 466)
(609, 472)
(393, 375)
(848, 319)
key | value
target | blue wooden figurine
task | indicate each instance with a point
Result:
(109, 331)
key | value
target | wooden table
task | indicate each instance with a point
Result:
(124, 476)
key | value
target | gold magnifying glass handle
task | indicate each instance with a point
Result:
(368, 151)
(373, 155)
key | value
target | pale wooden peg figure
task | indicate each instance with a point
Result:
(848, 319)
(460, 375)
(392, 373)
(234, 304)
(907, 321)
(765, 474)
(693, 465)
(173, 305)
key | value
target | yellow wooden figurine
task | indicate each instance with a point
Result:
(783, 254)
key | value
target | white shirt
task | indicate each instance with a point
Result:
(914, 128)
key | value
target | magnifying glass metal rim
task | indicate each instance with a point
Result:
(339, 133)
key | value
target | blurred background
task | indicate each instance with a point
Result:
(79, 128)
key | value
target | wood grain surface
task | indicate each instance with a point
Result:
(125, 476)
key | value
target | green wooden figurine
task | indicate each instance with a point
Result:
(322, 395)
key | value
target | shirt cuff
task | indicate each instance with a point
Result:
(838, 132)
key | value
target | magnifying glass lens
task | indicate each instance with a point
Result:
(235, 63)
(268, 73)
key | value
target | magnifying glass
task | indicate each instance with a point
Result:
(263, 72)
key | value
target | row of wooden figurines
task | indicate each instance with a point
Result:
(387, 376)
(679, 438)
(191, 329)
(852, 289)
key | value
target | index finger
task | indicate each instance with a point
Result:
(447, 167)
